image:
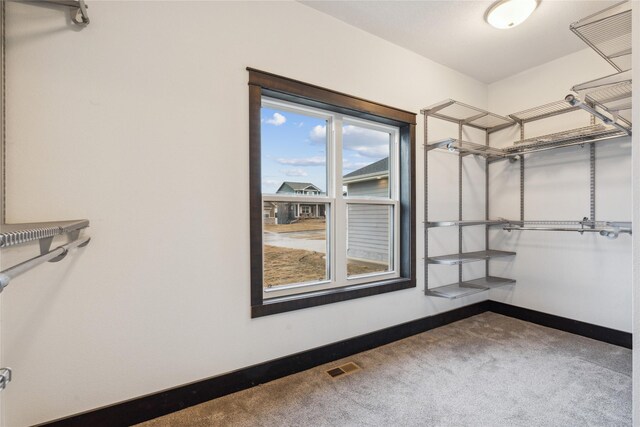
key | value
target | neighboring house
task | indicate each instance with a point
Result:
(369, 181)
(287, 212)
(269, 212)
(368, 225)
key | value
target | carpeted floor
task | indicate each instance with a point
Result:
(488, 370)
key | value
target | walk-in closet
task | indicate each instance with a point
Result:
(319, 213)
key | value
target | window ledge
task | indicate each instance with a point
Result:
(312, 299)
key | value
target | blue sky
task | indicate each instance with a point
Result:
(294, 149)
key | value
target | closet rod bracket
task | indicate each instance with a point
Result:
(576, 102)
(5, 377)
(79, 14)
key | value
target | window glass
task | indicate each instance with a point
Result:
(365, 161)
(294, 243)
(369, 239)
(294, 153)
(307, 175)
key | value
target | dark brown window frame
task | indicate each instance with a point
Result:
(266, 84)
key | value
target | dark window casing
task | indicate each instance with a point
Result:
(266, 84)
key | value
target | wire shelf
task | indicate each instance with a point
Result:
(587, 134)
(468, 287)
(614, 99)
(458, 112)
(15, 234)
(455, 290)
(609, 94)
(579, 136)
(466, 147)
(608, 32)
(490, 281)
(583, 88)
(462, 258)
(542, 112)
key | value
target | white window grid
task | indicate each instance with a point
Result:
(336, 205)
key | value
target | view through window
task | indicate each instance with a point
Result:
(330, 199)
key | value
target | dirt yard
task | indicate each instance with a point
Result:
(284, 265)
(302, 225)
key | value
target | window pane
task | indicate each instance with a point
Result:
(369, 241)
(295, 243)
(294, 153)
(365, 161)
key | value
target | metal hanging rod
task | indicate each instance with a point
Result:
(576, 102)
(610, 229)
(611, 233)
(573, 137)
(54, 255)
(586, 222)
(79, 14)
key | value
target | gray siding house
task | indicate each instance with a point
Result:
(368, 231)
(269, 210)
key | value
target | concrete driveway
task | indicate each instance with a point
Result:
(306, 240)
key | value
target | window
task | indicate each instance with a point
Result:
(306, 210)
(338, 172)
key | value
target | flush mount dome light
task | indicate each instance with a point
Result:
(510, 13)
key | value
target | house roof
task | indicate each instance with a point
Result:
(381, 167)
(298, 185)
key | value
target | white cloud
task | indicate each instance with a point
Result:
(318, 133)
(294, 172)
(277, 119)
(305, 161)
(365, 142)
(375, 151)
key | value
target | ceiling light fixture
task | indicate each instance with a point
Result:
(506, 14)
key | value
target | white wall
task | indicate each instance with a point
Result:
(139, 122)
(583, 277)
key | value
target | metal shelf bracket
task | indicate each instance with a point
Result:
(78, 12)
(5, 377)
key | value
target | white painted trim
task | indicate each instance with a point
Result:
(295, 108)
(371, 201)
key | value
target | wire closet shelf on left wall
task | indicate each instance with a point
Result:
(12, 235)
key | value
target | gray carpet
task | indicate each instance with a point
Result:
(488, 370)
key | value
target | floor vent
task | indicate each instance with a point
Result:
(347, 368)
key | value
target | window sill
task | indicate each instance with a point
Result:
(312, 299)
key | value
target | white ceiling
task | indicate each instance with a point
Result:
(455, 34)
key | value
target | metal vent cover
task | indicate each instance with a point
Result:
(347, 368)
